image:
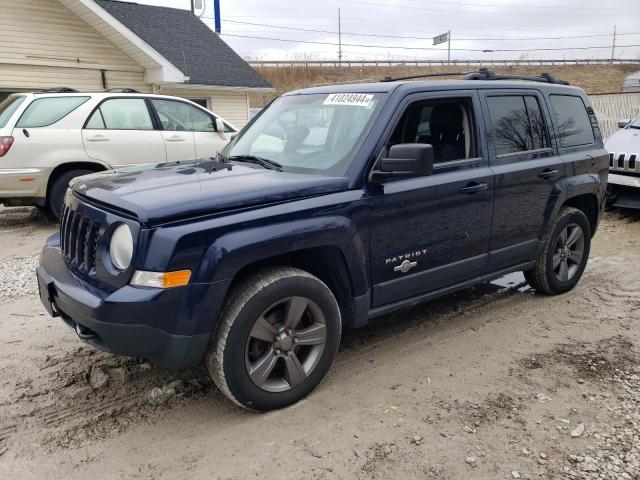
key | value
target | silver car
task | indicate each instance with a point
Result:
(624, 164)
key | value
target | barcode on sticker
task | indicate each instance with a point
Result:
(356, 99)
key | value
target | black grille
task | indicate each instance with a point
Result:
(79, 238)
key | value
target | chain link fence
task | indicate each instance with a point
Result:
(611, 107)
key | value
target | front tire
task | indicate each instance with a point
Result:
(564, 254)
(278, 335)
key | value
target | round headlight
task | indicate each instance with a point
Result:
(121, 247)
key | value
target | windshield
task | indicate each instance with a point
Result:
(315, 133)
(635, 123)
(7, 108)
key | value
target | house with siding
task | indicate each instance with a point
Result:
(95, 45)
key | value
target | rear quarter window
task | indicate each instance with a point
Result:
(43, 112)
(572, 120)
(8, 107)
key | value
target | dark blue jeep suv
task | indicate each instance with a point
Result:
(335, 205)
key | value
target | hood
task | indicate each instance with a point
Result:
(626, 140)
(168, 191)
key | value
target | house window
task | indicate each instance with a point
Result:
(203, 102)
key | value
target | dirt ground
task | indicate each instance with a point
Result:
(493, 382)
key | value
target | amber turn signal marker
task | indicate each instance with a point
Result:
(161, 279)
(176, 279)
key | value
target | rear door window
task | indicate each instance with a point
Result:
(121, 114)
(572, 120)
(8, 107)
(43, 112)
(518, 124)
(539, 134)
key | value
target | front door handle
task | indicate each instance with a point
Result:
(98, 138)
(474, 188)
(176, 138)
(547, 173)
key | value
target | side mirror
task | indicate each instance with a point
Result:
(623, 122)
(405, 160)
(220, 129)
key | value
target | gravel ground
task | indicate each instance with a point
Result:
(614, 452)
(495, 382)
(17, 277)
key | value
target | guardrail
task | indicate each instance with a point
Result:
(435, 63)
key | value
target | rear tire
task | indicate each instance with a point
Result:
(564, 254)
(278, 335)
(55, 200)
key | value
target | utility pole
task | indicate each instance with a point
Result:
(339, 39)
(193, 6)
(449, 47)
(613, 47)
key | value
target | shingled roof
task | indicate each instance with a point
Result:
(185, 41)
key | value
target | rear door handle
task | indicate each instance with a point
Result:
(176, 138)
(98, 138)
(548, 174)
(474, 188)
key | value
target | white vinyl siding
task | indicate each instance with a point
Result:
(133, 80)
(44, 45)
(36, 77)
(54, 43)
(232, 106)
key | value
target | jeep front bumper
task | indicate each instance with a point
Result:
(624, 180)
(624, 191)
(127, 321)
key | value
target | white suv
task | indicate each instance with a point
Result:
(48, 138)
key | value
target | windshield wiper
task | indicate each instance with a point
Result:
(263, 162)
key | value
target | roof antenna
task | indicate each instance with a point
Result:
(184, 60)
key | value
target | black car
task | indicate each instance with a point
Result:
(335, 205)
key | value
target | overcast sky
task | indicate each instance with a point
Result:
(475, 25)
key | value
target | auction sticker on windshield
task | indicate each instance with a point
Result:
(355, 99)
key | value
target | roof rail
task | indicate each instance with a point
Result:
(426, 75)
(122, 90)
(59, 90)
(345, 82)
(483, 74)
(486, 74)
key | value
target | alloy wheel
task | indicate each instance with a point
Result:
(285, 344)
(568, 252)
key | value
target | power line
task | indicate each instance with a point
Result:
(426, 48)
(476, 12)
(499, 5)
(397, 22)
(406, 37)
